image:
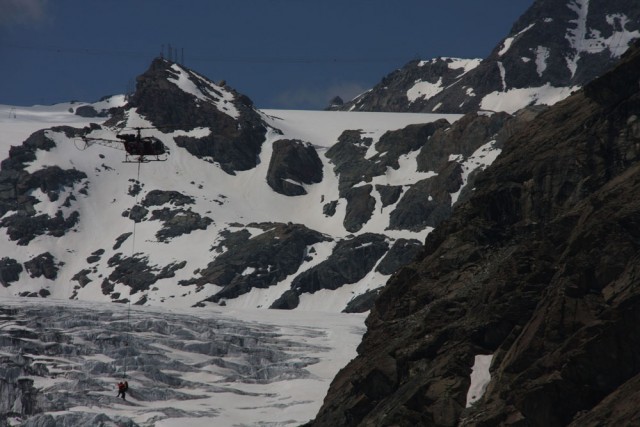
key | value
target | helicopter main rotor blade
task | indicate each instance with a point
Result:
(88, 139)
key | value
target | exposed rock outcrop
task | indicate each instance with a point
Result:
(442, 151)
(42, 265)
(463, 138)
(336, 103)
(260, 261)
(349, 262)
(293, 163)
(17, 185)
(10, 270)
(399, 90)
(356, 170)
(363, 302)
(160, 197)
(401, 253)
(90, 111)
(428, 202)
(177, 222)
(236, 128)
(136, 272)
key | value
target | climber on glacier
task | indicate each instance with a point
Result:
(122, 390)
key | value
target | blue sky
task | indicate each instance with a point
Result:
(281, 53)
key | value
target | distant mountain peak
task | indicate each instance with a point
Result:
(205, 90)
(406, 89)
(554, 48)
(170, 92)
(173, 97)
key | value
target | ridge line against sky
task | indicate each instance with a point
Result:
(295, 54)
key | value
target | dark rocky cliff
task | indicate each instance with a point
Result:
(539, 268)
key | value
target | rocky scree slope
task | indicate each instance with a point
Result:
(553, 48)
(539, 268)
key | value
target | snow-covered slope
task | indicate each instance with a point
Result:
(211, 228)
(80, 228)
(232, 216)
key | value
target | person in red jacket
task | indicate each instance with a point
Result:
(122, 390)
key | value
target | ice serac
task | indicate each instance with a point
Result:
(554, 48)
(173, 97)
(538, 268)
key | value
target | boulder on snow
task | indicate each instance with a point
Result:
(42, 265)
(293, 163)
(10, 270)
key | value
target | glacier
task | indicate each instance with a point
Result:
(61, 361)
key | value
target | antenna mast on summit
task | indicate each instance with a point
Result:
(172, 53)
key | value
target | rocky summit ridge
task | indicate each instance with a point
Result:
(554, 48)
(536, 272)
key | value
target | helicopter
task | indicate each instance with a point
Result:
(139, 149)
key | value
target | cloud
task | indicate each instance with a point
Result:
(22, 12)
(317, 98)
